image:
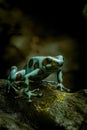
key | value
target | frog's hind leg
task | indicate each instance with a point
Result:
(31, 75)
(27, 91)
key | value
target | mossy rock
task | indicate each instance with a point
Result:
(54, 110)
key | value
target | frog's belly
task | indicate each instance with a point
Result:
(38, 77)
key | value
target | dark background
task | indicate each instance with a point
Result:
(57, 18)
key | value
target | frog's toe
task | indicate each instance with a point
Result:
(60, 86)
(29, 100)
(37, 89)
(66, 89)
(40, 94)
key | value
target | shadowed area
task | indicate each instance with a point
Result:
(55, 109)
(33, 29)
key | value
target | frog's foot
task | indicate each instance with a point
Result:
(62, 88)
(30, 93)
(38, 94)
(13, 86)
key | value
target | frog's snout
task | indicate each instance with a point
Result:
(61, 59)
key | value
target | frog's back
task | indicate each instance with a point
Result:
(45, 64)
(34, 63)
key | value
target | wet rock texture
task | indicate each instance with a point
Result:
(54, 110)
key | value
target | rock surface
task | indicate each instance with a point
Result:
(54, 110)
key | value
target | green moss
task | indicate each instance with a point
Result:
(61, 97)
(40, 108)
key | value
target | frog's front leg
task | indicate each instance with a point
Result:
(60, 80)
(27, 91)
(14, 76)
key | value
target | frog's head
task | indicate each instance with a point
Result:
(60, 59)
(14, 68)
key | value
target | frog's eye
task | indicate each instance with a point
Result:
(18, 76)
(60, 57)
(46, 61)
(13, 67)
